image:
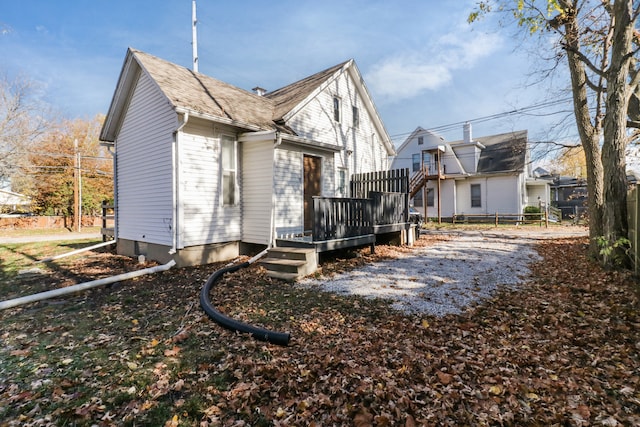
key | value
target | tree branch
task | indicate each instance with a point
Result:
(585, 60)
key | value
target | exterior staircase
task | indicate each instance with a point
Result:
(416, 182)
(290, 263)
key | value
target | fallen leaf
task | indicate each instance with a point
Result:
(170, 352)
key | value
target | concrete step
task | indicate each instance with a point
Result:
(290, 263)
(292, 253)
(282, 264)
(288, 277)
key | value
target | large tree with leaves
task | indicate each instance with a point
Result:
(54, 162)
(599, 41)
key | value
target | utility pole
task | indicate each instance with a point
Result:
(77, 222)
(194, 35)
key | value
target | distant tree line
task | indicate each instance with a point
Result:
(45, 157)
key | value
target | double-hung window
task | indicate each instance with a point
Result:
(476, 196)
(415, 162)
(336, 109)
(229, 165)
(430, 197)
(356, 117)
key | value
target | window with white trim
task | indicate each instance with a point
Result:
(342, 182)
(430, 197)
(415, 162)
(228, 159)
(356, 117)
(336, 109)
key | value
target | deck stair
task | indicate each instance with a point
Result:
(290, 263)
(416, 182)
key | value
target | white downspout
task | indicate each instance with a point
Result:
(175, 182)
(83, 286)
(272, 224)
(115, 191)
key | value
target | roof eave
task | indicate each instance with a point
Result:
(128, 74)
(218, 119)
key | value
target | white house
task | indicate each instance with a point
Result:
(10, 201)
(486, 175)
(203, 168)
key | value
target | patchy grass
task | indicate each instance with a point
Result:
(561, 351)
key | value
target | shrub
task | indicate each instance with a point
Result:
(530, 210)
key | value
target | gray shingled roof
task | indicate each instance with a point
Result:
(286, 98)
(203, 94)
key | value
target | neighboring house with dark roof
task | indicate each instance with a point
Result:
(485, 175)
(203, 168)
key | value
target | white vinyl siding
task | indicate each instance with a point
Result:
(203, 218)
(315, 121)
(289, 205)
(257, 183)
(498, 194)
(503, 194)
(144, 167)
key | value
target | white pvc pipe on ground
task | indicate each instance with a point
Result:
(83, 286)
(77, 251)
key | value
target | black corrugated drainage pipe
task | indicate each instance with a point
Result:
(279, 338)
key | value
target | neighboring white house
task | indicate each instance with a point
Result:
(203, 167)
(486, 175)
(10, 201)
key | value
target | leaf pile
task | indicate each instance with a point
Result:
(563, 350)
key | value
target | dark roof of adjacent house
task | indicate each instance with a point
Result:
(505, 152)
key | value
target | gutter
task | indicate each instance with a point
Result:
(272, 221)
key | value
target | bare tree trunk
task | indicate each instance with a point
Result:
(615, 124)
(589, 134)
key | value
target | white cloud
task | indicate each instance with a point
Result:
(409, 74)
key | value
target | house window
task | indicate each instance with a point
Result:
(476, 197)
(229, 170)
(356, 117)
(417, 200)
(336, 109)
(420, 140)
(415, 161)
(426, 162)
(342, 182)
(430, 197)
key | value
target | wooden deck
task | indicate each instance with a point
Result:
(348, 222)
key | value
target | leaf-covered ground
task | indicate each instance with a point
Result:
(564, 350)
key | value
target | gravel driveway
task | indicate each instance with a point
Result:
(448, 276)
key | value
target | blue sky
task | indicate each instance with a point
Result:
(421, 61)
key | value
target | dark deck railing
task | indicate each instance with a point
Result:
(342, 218)
(389, 208)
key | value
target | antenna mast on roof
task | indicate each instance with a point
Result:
(194, 35)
